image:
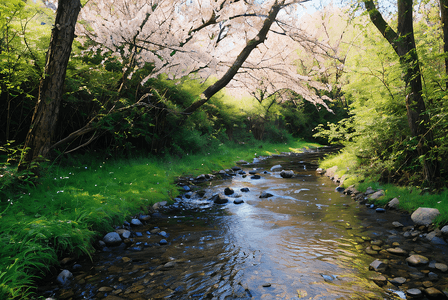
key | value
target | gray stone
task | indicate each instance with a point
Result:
(112, 239)
(394, 203)
(328, 278)
(238, 201)
(144, 218)
(430, 235)
(441, 267)
(376, 195)
(159, 205)
(397, 224)
(242, 162)
(163, 242)
(369, 191)
(378, 265)
(417, 260)
(339, 189)
(219, 199)
(320, 171)
(124, 233)
(64, 277)
(245, 190)
(136, 222)
(396, 251)
(444, 230)
(414, 293)
(398, 280)
(265, 194)
(380, 210)
(276, 168)
(424, 215)
(228, 191)
(380, 280)
(330, 172)
(287, 174)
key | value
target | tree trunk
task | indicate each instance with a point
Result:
(241, 58)
(43, 123)
(444, 20)
(403, 43)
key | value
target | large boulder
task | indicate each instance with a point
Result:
(424, 215)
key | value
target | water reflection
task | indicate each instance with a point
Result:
(303, 237)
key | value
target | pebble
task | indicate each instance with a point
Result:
(265, 194)
(163, 242)
(397, 224)
(441, 267)
(377, 242)
(370, 251)
(380, 280)
(397, 251)
(398, 280)
(417, 259)
(136, 222)
(414, 292)
(64, 277)
(144, 218)
(434, 293)
(267, 284)
(378, 265)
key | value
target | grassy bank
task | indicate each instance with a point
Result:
(410, 198)
(80, 198)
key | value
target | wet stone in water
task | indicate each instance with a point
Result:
(398, 280)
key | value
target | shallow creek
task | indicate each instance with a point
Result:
(307, 241)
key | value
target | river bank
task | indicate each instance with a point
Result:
(187, 249)
(81, 197)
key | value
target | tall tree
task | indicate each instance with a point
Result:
(46, 113)
(403, 43)
(444, 20)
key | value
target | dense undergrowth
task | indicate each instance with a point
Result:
(78, 198)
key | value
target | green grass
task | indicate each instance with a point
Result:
(80, 198)
(410, 198)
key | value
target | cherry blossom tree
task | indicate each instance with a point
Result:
(244, 44)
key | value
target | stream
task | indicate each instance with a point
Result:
(306, 241)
